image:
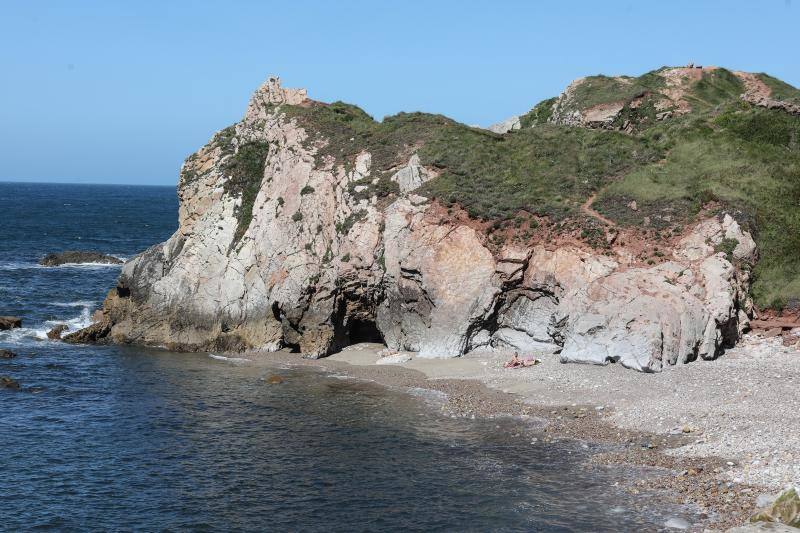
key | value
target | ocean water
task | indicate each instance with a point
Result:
(106, 438)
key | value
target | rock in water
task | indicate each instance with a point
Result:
(7, 354)
(73, 256)
(9, 383)
(10, 322)
(274, 379)
(55, 333)
(784, 510)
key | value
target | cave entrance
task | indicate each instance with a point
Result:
(359, 330)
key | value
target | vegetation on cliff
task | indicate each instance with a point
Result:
(743, 158)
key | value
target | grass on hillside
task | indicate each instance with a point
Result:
(539, 115)
(548, 171)
(747, 159)
(716, 87)
(596, 90)
(780, 89)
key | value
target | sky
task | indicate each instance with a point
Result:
(121, 92)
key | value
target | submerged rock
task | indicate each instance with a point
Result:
(74, 256)
(10, 322)
(7, 354)
(274, 379)
(10, 383)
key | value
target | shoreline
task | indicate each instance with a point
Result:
(707, 448)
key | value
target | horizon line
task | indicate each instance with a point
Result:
(117, 184)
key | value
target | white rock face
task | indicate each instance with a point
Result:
(504, 126)
(317, 267)
(411, 176)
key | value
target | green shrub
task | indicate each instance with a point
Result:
(727, 246)
(348, 223)
(245, 171)
(539, 115)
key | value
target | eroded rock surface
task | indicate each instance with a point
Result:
(310, 258)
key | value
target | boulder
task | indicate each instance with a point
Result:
(55, 333)
(784, 510)
(74, 256)
(10, 322)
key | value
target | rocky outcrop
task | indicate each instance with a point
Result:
(56, 332)
(412, 176)
(504, 126)
(76, 257)
(312, 258)
(10, 322)
(569, 110)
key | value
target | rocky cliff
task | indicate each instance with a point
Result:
(310, 226)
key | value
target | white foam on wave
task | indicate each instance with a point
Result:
(18, 265)
(229, 359)
(90, 266)
(27, 265)
(38, 332)
(79, 303)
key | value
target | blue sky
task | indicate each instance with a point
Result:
(122, 92)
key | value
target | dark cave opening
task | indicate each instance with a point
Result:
(363, 331)
(292, 347)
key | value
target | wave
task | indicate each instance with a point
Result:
(28, 265)
(79, 303)
(18, 265)
(229, 359)
(38, 333)
(86, 265)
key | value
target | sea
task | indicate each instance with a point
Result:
(121, 438)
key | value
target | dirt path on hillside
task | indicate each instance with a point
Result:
(587, 209)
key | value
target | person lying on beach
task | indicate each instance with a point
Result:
(516, 362)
